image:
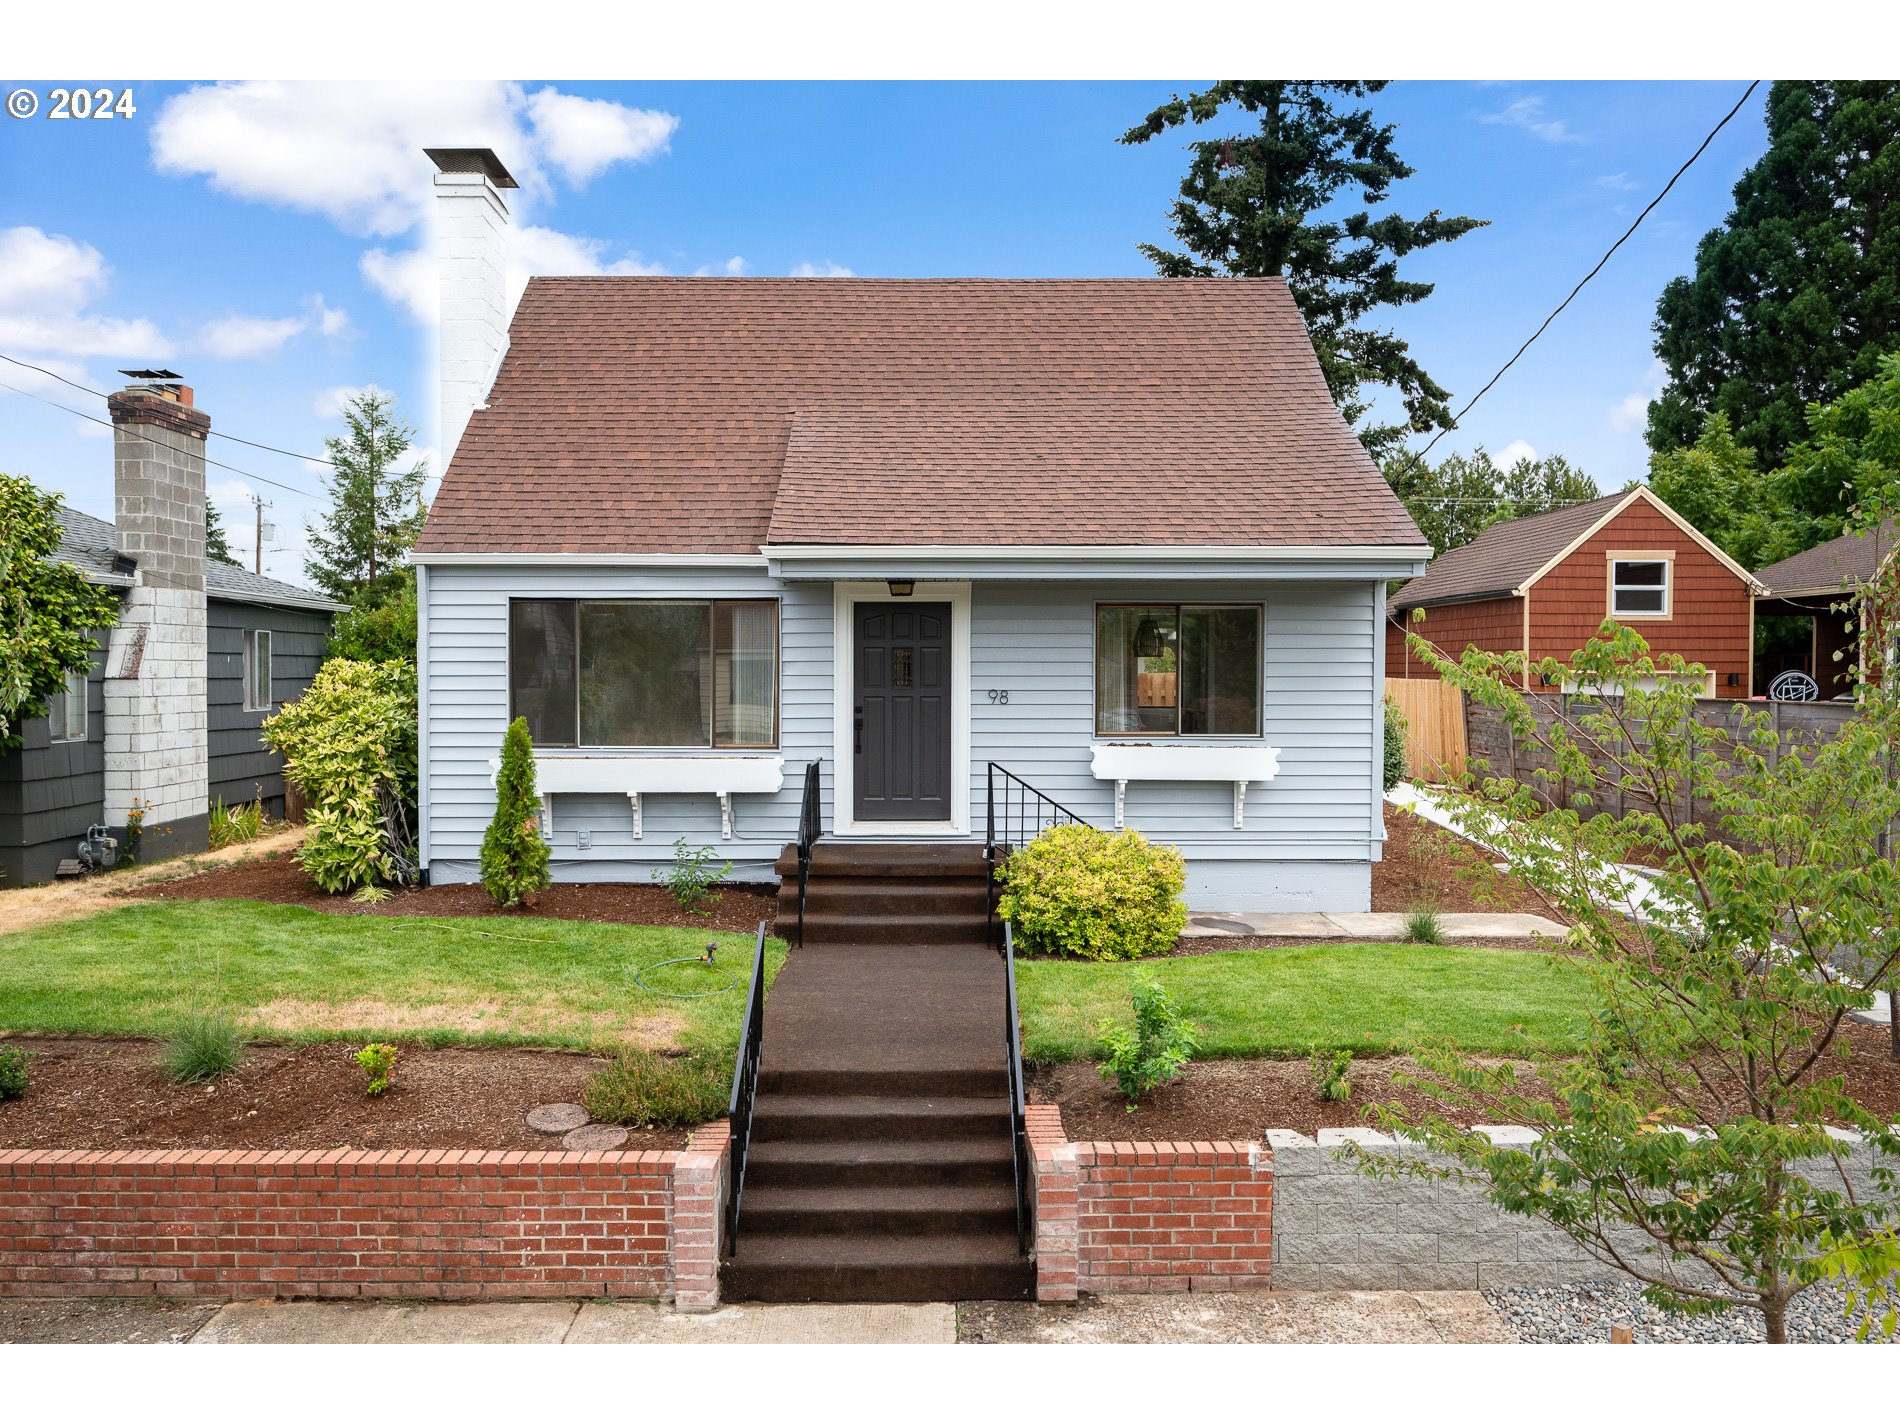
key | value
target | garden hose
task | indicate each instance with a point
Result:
(732, 982)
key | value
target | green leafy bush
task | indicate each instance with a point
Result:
(13, 1076)
(205, 1047)
(514, 857)
(1078, 890)
(659, 1090)
(1395, 729)
(378, 633)
(1332, 1075)
(1154, 1051)
(378, 1061)
(691, 877)
(350, 743)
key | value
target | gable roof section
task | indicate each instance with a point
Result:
(91, 545)
(1829, 568)
(708, 415)
(1509, 557)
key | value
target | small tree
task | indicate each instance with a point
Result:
(379, 633)
(514, 857)
(47, 609)
(360, 549)
(1687, 1146)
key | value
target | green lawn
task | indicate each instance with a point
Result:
(1288, 1000)
(285, 972)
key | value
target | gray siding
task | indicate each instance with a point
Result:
(241, 766)
(50, 792)
(1310, 834)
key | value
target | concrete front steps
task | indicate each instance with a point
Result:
(898, 894)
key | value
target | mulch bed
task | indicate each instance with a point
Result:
(1425, 865)
(111, 1093)
(1242, 1098)
(281, 881)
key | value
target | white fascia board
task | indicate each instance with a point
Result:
(529, 559)
(1089, 552)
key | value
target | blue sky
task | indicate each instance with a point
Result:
(262, 240)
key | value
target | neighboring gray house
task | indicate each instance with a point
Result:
(204, 651)
(1111, 537)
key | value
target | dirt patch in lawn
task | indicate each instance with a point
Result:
(281, 881)
(111, 1093)
(23, 907)
(1425, 865)
(1239, 1099)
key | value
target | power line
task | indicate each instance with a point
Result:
(221, 435)
(1753, 85)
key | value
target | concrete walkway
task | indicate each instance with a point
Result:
(1262, 1317)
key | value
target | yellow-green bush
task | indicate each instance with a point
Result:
(1079, 890)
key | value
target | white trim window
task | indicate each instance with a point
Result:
(257, 670)
(1188, 670)
(1639, 586)
(66, 709)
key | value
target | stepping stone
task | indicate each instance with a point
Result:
(595, 1138)
(557, 1118)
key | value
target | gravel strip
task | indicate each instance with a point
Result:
(1584, 1313)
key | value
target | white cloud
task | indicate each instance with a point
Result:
(731, 267)
(47, 284)
(330, 402)
(1528, 114)
(1617, 182)
(826, 268)
(1517, 450)
(1631, 414)
(409, 279)
(352, 152)
(581, 137)
(238, 338)
(92, 430)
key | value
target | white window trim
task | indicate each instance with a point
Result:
(250, 670)
(1664, 557)
(845, 597)
(1187, 738)
(59, 733)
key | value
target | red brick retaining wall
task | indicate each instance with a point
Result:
(1139, 1217)
(342, 1223)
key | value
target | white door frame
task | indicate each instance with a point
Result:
(845, 597)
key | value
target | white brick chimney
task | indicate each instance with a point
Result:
(155, 660)
(471, 249)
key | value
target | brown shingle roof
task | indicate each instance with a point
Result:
(1502, 557)
(1831, 566)
(678, 415)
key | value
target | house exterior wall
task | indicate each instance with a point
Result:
(241, 767)
(1310, 834)
(1709, 606)
(1494, 625)
(50, 792)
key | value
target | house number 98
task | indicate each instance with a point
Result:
(999, 696)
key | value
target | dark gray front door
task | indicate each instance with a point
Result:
(901, 771)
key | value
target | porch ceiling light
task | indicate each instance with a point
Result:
(902, 588)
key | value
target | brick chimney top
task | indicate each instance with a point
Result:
(168, 407)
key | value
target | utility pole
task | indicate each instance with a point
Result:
(375, 461)
(257, 558)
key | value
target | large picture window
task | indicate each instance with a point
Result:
(1178, 669)
(645, 672)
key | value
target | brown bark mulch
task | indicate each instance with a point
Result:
(281, 881)
(112, 1093)
(1425, 865)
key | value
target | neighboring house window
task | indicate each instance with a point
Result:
(645, 672)
(1639, 585)
(1168, 669)
(66, 709)
(257, 686)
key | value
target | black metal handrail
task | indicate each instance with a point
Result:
(1018, 1117)
(809, 830)
(745, 1087)
(1025, 812)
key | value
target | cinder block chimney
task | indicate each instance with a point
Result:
(155, 661)
(471, 248)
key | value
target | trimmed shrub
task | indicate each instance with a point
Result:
(660, 1090)
(514, 857)
(1079, 890)
(1154, 1051)
(378, 1062)
(1395, 729)
(205, 1047)
(13, 1075)
(350, 743)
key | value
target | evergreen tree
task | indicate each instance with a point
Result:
(1248, 208)
(1797, 294)
(514, 857)
(1456, 500)
(359, 551)
(215, 546)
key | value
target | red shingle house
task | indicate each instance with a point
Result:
(1546, 582)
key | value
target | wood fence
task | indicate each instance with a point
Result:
(1434, 727)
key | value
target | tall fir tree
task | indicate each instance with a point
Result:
(360, 548)
(215, 545)
(1797, 294)
(1456, 500)
(1249, 206)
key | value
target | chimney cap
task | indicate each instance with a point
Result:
(156, 374)
(473, 160)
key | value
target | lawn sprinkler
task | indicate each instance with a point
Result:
(712, 947)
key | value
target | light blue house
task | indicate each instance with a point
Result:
(1111, 538)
